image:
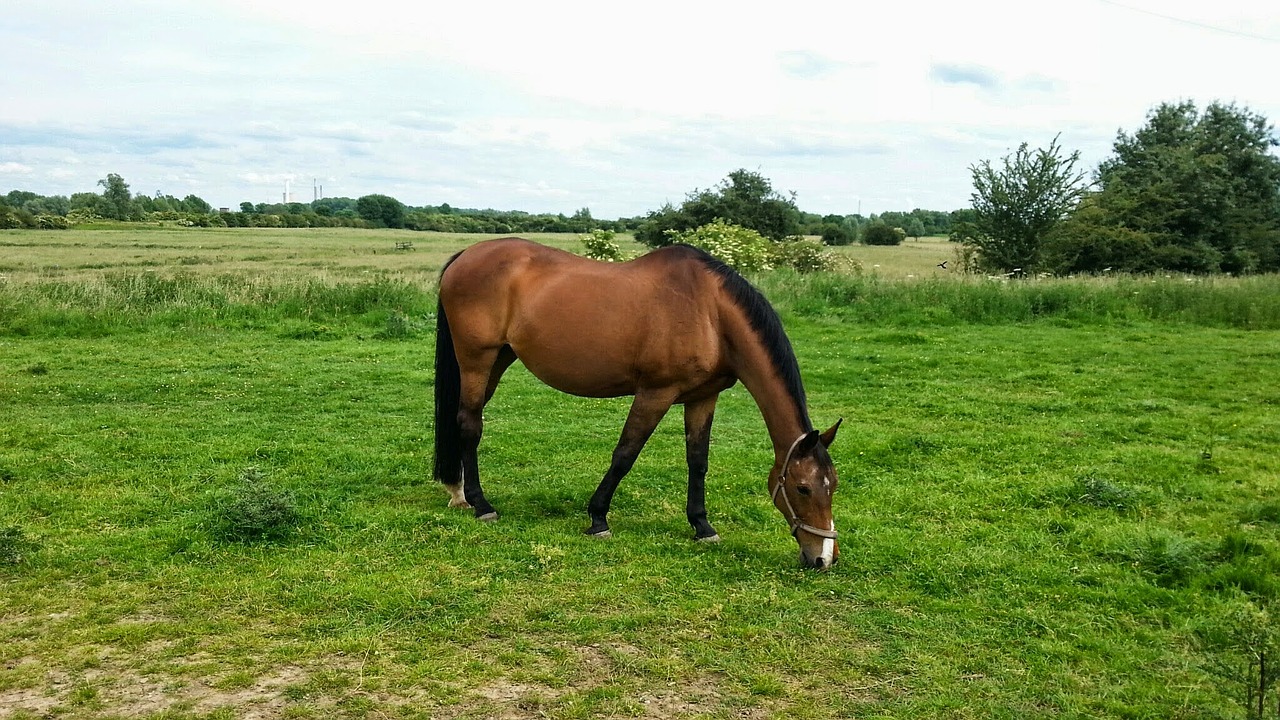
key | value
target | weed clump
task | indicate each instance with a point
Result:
(255, 509)
(397, 327)
(1172, 559)
(15, 545)
(1100, 493)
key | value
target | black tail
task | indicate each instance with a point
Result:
(448, 463)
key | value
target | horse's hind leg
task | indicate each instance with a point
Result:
(480, 377)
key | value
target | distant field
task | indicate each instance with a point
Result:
(1052, 494)
(341, 252)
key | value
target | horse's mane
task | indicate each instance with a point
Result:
(766, 324)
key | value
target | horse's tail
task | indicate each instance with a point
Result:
(448, 461)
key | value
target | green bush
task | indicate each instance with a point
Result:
(254, 509)
(599, 245)
(878, 233)
(742, 249)
(804, 256)
(52, 222)
(834, 234)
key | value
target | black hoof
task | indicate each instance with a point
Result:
(599, 528)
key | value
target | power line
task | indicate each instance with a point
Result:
(1194, 23)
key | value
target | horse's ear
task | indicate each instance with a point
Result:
(808, 443)
(829, 435)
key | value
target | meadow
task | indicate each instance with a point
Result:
(1057, 498)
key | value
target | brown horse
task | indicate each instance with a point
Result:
(676, 326)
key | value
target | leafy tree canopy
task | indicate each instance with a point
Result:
(746, 199)
(381, 210)
(1202, 189)
(1017, 204)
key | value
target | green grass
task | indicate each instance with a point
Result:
(1038, 508)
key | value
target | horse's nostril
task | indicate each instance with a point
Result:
(820, 563)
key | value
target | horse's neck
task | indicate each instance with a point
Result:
(785, 419)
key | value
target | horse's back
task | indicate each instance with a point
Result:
(588, 327)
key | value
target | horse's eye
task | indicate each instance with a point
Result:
(803, 490)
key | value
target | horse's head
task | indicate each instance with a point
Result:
(802, 490)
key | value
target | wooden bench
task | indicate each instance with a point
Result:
(404, 246)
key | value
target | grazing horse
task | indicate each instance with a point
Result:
(675, 326)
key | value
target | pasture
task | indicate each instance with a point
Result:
(1052, 492)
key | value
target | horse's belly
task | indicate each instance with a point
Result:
(583, 368)
(596, 367)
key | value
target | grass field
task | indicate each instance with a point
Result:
(1052, 494)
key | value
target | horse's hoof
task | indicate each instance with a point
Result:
(462, 504)
(708, 539)
(488, 517)
(603, 534)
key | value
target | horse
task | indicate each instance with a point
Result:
(675, 326)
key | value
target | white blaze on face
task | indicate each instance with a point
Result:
(828, 544)
(828, 549)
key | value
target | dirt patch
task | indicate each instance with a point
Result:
(125, 693)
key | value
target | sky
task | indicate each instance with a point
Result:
(558, 105)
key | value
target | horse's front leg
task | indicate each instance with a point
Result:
(646, 412)
(697, 442)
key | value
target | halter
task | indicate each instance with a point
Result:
(792, 518)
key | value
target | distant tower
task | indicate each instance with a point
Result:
(287, 195)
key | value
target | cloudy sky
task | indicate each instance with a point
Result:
(556, 105)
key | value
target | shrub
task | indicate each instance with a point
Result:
(833, 234)
(255, 509)
(742, 249)
(879, 233)
(599, 245)
(802, 256)
(1242, 646)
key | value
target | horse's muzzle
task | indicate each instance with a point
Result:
(817, 563)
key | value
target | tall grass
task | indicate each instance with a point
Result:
(124, 301)
(1251, 303)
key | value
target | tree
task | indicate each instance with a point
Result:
(878, 232)
(117, 201)
(381, 210)
(914, 227)
(837, 233)
(1202, 188)
(653, 231)
(196, 204)
(1017, 205)
(746, 199)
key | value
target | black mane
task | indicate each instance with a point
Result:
(768, 327)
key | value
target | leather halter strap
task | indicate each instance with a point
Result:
(792, 518)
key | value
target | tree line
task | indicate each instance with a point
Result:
(743, 191)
